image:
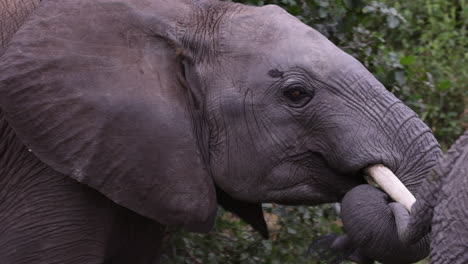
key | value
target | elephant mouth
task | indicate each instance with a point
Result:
(319, 182)
(376, 172)
(381, 176)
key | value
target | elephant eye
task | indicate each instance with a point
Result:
(297, 96)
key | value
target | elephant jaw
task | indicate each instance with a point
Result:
(390, 183)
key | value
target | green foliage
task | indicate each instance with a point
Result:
(292, 230)
(432, 48)
(417, 49)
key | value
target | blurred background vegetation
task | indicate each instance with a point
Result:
(417, 49)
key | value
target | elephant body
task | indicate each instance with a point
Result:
(46, 217)
(119, 118)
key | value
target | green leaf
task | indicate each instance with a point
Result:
(444, 85)
(407, 60)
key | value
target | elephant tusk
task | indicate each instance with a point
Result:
(385, 178)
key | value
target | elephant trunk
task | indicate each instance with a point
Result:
(369, 222)
(383, 131)
(368, 213)
(370, 126)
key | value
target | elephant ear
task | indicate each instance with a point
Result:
(93, 92)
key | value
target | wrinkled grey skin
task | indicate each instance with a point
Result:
(167, 108)
(438, 217)
(12, 16)
(442, 208)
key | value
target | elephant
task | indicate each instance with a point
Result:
(438, 218)
(119, 118)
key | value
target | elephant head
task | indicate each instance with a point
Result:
(155, 104)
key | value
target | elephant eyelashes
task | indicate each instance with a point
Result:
(297, 96)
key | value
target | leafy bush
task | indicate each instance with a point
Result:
(417, 49)
(292, 230)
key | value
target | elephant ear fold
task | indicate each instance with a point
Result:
(96, 96)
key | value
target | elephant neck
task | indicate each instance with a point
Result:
(15, 158)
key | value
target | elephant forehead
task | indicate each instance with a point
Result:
(278, 40)
(320, 57)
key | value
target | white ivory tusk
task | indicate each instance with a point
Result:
(391, 185)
